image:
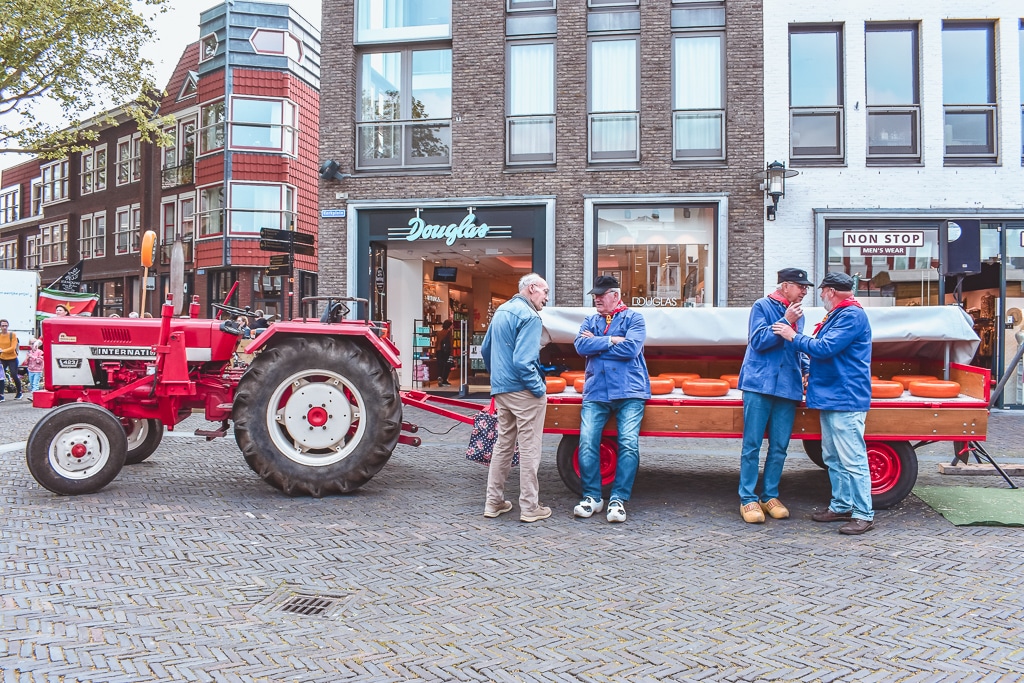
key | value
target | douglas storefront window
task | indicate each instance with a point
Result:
(663, 256)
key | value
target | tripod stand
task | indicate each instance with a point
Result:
(965, 449)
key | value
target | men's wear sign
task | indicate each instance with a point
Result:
(883, 243)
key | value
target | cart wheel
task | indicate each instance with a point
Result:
(77, 448)
(893, 466)
(144, 436)
(813, 451)
(317, 415)
(569, 464)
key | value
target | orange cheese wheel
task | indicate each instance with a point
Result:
(578, 385)
(662, 385)
(935, 388)
(571, 376)
(733, 380)
(905, 380)
(705, 387)
(678, 377)
(556, 385)
(881, 388)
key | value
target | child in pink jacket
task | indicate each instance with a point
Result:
(35, 365)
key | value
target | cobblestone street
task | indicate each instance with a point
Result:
(189, 567)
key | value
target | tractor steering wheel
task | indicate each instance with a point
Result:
(233, 311)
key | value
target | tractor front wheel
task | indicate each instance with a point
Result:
(568, 461)
(75, 449)
(144, 435)
(319, 415)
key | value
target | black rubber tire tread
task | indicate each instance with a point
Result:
(908, 476)
(148, 445)
(813, 450)
(360, 365)
(565, 455)
(38, 447)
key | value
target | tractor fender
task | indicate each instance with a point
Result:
(286, 329)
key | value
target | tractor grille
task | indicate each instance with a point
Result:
(116, 335)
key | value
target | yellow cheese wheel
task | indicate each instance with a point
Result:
(556, 385)
(905, 380)
(571, 376)
(881, 388)
(578, 385)
(662, 385)
(935, 388)
(733, 380)
(705, 387)
(678, 377)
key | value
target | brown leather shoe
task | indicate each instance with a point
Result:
(856, 527)
(827, 515)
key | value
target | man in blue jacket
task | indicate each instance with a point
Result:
(771, 379)
(616, 382)
(840, 387)
(511, 353)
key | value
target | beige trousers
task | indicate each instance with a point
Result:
(520, 417)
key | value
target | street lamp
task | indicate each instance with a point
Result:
(773, 182)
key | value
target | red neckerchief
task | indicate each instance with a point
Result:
(775, 296)
(608, 318)
(852, 301)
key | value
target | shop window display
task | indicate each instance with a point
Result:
(662, 256)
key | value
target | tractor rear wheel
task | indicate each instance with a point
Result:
(144, 436)
(318, 415)
(75, 449)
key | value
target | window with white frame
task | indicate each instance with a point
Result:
(211, 132)
(129, 159)
(1020, 50)
(9, 254)
(531, 103)
(32, 251)
(521, 5)
(892, 95)
(405, 109)
(614, 117)
(93, 235)
(168, 221)
(698, 97)
(55, 181)
(816, 126)
(263, 124)
(10, 204)
(211, 211)
(608, 3)
(178, 166)
(186, 217)
(37, 197)
(53, 243)
(389, 21)
(267, 41)
(969, 92)
(93, 171)
(208, 47)
(126, 229)
(257, 206)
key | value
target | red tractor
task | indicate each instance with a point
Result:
(318, 411)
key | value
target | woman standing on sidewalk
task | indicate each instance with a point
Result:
(9, 358)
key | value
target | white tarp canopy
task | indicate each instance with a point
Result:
(897, 332)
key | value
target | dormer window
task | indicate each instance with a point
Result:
(190, 87)
(208, 47)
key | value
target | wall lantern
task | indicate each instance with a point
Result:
(773, 182)
(331, 170)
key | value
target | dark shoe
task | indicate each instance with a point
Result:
(856, 527)
(827, 515)
(18, 395)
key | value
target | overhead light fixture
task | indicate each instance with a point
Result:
(773, 183)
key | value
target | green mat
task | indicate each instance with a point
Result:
(975, 505)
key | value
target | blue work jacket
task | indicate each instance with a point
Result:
(614, 371)
(840, 361)
(511, 348)
(772, 365)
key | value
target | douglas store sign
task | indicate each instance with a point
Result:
(468, 228)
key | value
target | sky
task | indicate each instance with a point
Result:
(175, 29)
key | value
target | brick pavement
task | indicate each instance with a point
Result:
(178, 570)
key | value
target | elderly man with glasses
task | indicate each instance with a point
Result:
(617, 382)
(839, 387)
(771, 379)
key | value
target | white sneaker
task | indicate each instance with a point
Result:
(616, 511)
(587, 507)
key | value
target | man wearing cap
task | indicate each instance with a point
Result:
(771, 379)
(616, 382)
(839, 387)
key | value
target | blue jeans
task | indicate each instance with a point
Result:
(593, 416)
(846, 457)
(34, 378)
(761, 412)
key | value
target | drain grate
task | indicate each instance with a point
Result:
(308, 605)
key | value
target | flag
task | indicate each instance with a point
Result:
(70, 281)
(76, 304)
